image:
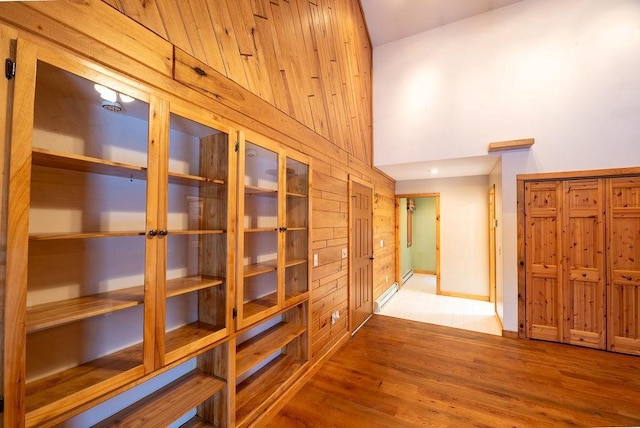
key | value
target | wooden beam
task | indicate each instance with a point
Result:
(511, 145)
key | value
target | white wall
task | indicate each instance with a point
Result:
(564, 72)
(464, 239)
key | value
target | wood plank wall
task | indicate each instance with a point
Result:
(311, 59)
(298, 71)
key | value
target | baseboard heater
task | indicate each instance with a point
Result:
(385, 297)
(408, 274)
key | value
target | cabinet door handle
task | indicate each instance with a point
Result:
(163, 232)
(152, 233)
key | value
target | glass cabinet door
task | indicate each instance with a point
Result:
(259, 233)
(87, 247)
(296, 278)
(197, 246)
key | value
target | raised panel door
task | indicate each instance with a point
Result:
(361, 285)
(583, 251)
(624, 265)
(543, 251)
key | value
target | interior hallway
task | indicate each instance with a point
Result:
(417, 301)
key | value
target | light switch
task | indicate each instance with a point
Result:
(315, 260)
(344, 253)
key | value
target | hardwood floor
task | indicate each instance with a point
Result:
(396, 373)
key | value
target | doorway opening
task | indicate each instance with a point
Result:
(418, 240)
(421, 297)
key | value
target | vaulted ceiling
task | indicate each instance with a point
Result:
(389, 20)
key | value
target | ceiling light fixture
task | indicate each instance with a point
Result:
(111, 105)
(433, 171)
(110, 98)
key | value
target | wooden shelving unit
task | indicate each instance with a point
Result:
(62, 391)
(197, 232)
(289, 339)
(190, 180)
(295, 262)
(256, 349)
(191, 283)
(169, 403)
(254, 394)
(272, 298)
(93, 317)
(124, 261)
(260, 268)
(257, 305)
(82, 235)
(260, 191)
(52, 314)
(71, 162)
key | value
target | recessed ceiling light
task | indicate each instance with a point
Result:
(433, 170)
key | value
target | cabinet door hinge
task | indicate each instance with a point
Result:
(9, 68)
(237, 146)
(235, 313)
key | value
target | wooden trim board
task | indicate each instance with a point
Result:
(501, 146)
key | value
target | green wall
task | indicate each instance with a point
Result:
(405, 253)
(421, 255)
(423, 250)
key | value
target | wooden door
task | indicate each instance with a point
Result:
(624, 265)
(361, 284)
(543, 201)
(583, 251)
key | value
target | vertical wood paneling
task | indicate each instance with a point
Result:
(146, 13)
(309, 59)
(227, 42)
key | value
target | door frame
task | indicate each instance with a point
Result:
(397, 249)
(492, 247)
(353, 328)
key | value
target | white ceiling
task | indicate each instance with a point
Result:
(461, 167)
(389, 20)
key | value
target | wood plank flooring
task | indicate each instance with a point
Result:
(396, 373)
